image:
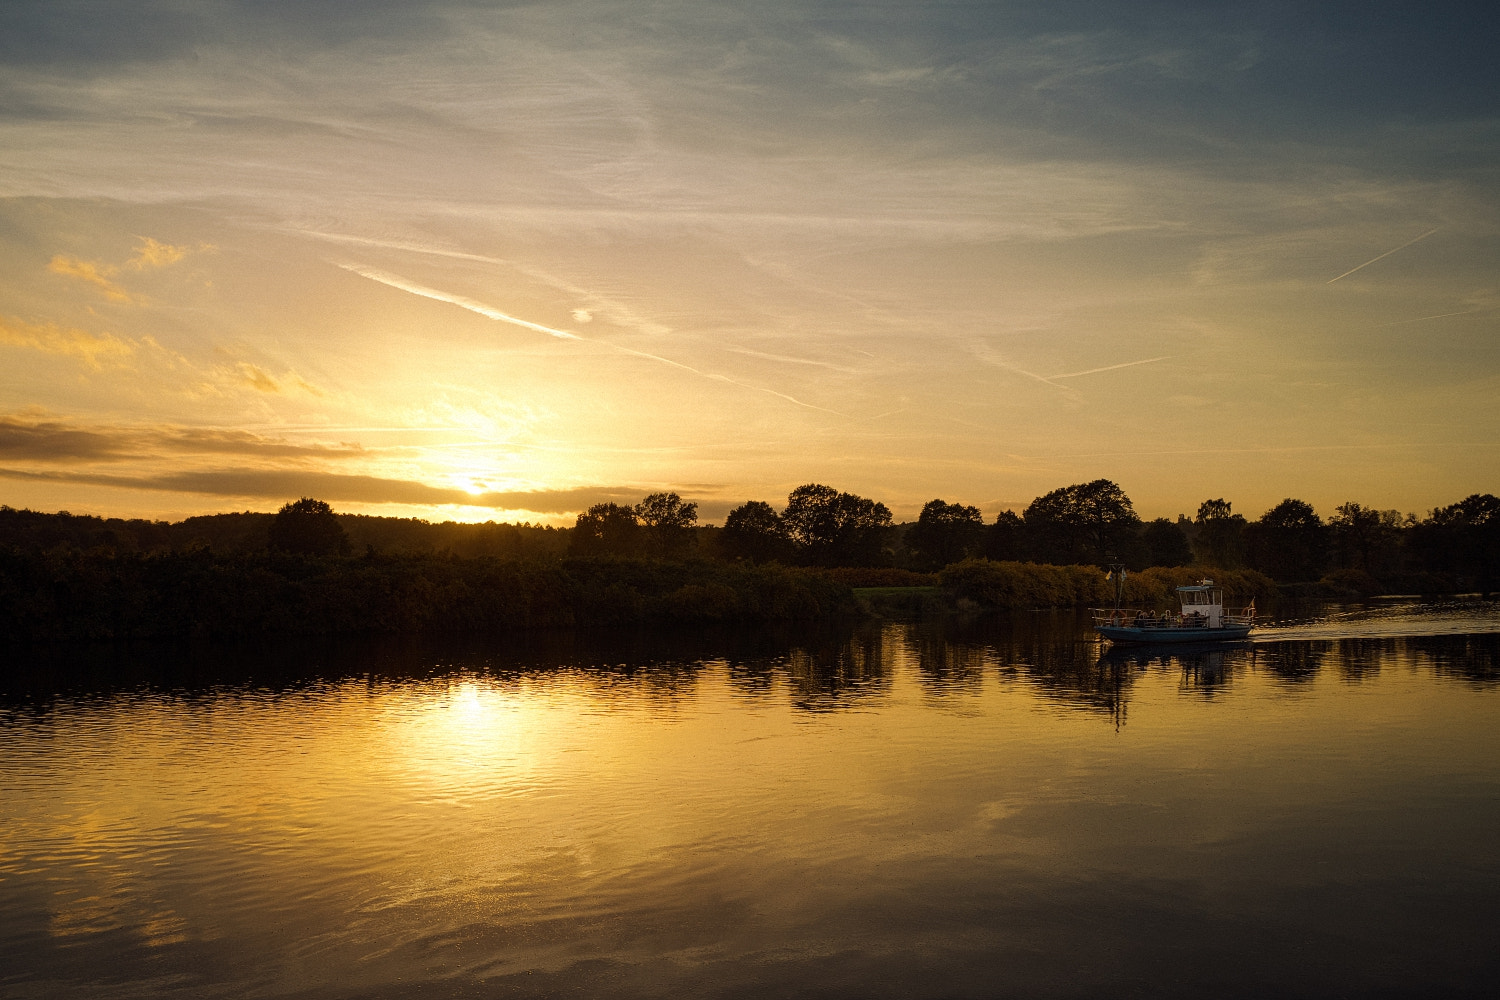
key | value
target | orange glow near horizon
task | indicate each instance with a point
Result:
(568, 265)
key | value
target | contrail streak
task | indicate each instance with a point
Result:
(790, 360)
(1423, 319)
(1110, 368)
(1381, 257)
(455, 300)
(489, 312)
(398, 245)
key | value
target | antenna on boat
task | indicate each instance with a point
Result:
(1117, 574)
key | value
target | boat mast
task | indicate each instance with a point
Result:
(1117, 574)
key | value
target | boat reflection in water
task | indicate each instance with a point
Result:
(918, 809)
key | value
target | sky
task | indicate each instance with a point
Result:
(473, 260)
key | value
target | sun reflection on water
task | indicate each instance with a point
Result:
(483, 821)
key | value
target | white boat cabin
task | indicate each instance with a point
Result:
(1203, 600)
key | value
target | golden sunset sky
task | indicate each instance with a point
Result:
(475, 260)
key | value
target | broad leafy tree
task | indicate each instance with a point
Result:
(1365, 538)
(829, 528)
(606, 529)
(1165, 543)
(1465, 537)
(1005, 540)
(754, 531)
(1289, 542)
(1220, 538)
(667, 523)
(309, 527)
(1084, 523)
(945, 533)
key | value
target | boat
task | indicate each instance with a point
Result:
(1202, 618)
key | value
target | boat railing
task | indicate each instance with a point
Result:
(1240, 616)
(1137, 618)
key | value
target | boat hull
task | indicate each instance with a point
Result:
(1130, 634)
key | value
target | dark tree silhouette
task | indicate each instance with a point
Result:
(606, 529)
(754, 531)
(1221, 535)
(309, 527)
(830, 528)
(1288, 543)
(1165, 543)
(668, 523)
(1005, 540)
(1365, 538)
(945, 533)
(1470, 533)
(1084, 523)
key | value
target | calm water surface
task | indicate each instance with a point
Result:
(899, 810)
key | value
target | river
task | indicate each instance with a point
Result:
(917, 809)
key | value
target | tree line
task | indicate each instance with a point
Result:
(252, 531)
(854, 538)
(1358, 548)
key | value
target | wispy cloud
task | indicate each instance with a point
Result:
(151, 254)
(36, 436)
(278, 484)
(49, 338)
(93, 273)
(261, 380)
(489, 312)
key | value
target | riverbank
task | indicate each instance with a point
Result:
(65, 594)
(70, 595)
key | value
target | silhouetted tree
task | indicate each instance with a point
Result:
(1221, 535)
(1165, 544)
(830, 528)
(1288, 543)
(754, 531)
(668, 523)
(1468, 535)
(1005, 540)
(606, 529)
(1085, 523)
(308, 527)
(945, 533)
(1365, 538)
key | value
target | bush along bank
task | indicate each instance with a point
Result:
(1018, 586)
(66, 594)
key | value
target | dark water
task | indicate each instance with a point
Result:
(899, 810)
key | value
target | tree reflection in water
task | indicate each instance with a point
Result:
(819, 669)
(1293, 662)
(830, 675)
(1473, 658)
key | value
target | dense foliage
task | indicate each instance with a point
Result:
(308, 527)
(66, 594)
(1013, 586)
(251, 532)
